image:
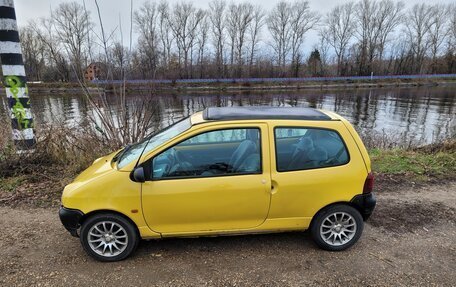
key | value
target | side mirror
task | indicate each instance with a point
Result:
(138, 175)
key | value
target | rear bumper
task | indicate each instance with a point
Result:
(365, 203)
(70, 219)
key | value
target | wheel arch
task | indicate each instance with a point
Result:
(348, 203)
(108, 211)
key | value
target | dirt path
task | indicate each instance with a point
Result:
(410, 240)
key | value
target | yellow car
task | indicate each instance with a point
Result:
(224, 171)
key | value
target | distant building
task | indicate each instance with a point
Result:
(94, 71)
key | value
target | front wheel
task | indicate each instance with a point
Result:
(337, 227)
(108, 237)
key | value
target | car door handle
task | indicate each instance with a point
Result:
(274, 187)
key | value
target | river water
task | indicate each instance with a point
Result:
(418, 114)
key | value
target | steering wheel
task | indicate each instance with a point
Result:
(179, 163)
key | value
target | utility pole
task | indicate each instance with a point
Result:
(14, 78)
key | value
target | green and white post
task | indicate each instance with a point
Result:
(14, 79)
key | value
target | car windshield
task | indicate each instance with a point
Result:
(133, 152)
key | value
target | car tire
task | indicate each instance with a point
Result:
(108, 237)
(337, 227)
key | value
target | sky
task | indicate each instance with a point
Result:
(113, 10)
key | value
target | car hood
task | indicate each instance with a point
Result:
(99, 168)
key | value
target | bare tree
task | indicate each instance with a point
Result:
(166, 36)
(202, 38)
(438, 32)
(58, 66)
(72, 23)
(323, 47)
(288, 23)
(365, 13)
(119, 56)
(226, 40)
(33, 51)
(232, 20)
(417, 28)
(254, 32)
(302, 20)
(279, 27)
(146, 19)
(339, 28)
(400, 61)
(451, 41)
(217, 16)
(246, 17)
(376, 20)
(184, 23)
(452, 25)
(388, 19)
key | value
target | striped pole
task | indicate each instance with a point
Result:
(14, 78)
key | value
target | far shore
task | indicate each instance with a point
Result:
(238, 85)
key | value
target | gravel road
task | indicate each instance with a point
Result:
(409, 240)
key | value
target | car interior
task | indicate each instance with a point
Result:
(190, 159)
(316, 148)
(312, 149)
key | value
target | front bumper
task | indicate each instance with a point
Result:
(365, 203)
(70, 219)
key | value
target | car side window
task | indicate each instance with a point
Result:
(214, 153)
(308, 148)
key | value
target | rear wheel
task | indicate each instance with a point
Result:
(337, 227)
(108, 237)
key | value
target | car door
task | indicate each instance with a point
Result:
(218, 179)
(313, 164)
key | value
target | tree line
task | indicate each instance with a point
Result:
(229, 40)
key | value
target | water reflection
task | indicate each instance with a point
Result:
(419, 114)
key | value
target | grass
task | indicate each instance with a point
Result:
(421, 164)
(10, 184)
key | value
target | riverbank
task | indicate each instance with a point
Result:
(241, 85)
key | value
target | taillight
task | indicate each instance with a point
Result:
(369, 183)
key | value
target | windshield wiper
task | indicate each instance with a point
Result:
(120, 153)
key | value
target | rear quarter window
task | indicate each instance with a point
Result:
(300, 148)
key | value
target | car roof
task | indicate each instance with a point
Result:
(259, 112)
